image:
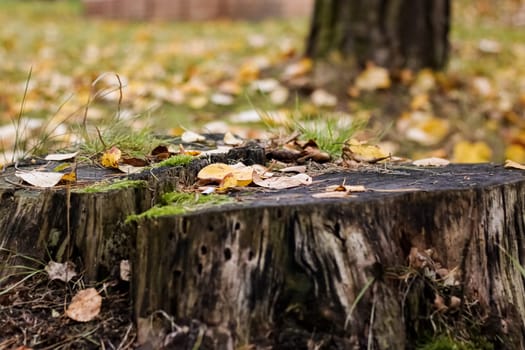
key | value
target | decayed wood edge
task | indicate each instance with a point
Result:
(33, 222)
(291, 272)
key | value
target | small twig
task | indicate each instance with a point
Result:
(126, 335)
(120, 95)
(100, 137)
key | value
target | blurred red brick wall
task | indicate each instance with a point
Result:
(197, 9)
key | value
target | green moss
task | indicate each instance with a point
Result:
(180, 159)
(174, 203)
(110, 186)
(444, 342)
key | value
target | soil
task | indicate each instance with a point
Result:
(32, 316)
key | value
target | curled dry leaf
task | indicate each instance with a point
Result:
(455, 302)
(125, 270)
(298, 69)
(230, 139)
(294, 169)
(439, 303)
(283, 182)
(60, 271)
(347, 188)
(226, 175)
(471, 152)
(373, 78)
(433, 161)
(322, 98)
(111, 158)
(214, 173)
(190, 137)
(514, 165)
(361, 151)
(85, 305)
(130, 169)
(61, 156)
(40, 178)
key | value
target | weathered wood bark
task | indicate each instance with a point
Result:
(35, 222)
(284, 269)
(391, 33)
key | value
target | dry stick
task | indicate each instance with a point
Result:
(120, 95)
(18, 121)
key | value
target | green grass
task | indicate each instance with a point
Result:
(327, 133)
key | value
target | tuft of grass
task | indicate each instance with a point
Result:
(175, 203)
(328, 133)
(112, 186)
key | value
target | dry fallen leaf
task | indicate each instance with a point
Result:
(514, 165)
(471, 152)
(190, 137)
(361, 151)
(130, 169)
(226, 175)
(125, 270)
(283, 182)
(294, 169)
(433, 161)
(214, 172)
(40, 178)
(230, 139)
(227, 182)
(61, 156)
(298, 69)
(347, 188)
(321, 98)
(60, 271)
(85, 305)
(373, 78)
(111, 158)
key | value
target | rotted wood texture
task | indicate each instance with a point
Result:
(88, 228)
(283, 269)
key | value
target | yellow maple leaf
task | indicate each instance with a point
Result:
(361, 151)
(215, 172)
(111, 158)
(249, 71)
(69, 177)
(373, 78)
(471, 152)
(243, 176)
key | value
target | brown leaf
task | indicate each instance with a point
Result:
(136, 162)
(60, 271)
(282, 182)
(284, 155)
(85, 305)
(158, 150)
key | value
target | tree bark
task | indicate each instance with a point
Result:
(283, 269)
(391, 33)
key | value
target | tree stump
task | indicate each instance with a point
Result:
(421, 249)
(287, 270)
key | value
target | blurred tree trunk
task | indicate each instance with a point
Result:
(390, 33)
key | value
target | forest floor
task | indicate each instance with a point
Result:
(66, 79)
